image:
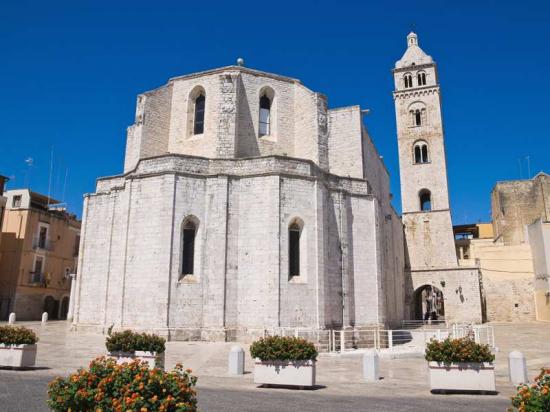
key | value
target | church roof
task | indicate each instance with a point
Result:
(414, 55)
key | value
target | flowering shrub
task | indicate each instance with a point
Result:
(17, 335)
(536, 397)
(283, 348)
(128, 341)
(457, 350)
(107, 387)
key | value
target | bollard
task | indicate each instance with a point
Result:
(11, 319)
(371, 368)
(236, 360)
(517, 365)
(44, 317)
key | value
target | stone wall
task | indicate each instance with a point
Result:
(518, 203)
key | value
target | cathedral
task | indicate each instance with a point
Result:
(247, 204)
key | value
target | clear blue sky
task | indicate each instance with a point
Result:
(70, 72)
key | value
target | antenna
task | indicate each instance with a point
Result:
(50, 178)
(520, 171)
(65, 185)
(528, 167)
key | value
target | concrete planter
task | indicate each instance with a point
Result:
(154, 359)
(298, 373)
(462, 377)
(18, 356)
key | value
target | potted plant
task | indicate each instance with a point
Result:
(535, 397)
(127, 345)
(17, 346)
(460, 365)
(106, 386)
(284, 361)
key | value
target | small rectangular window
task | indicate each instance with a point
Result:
(188, 251)
(42, 237)
(16, 202)
(293, 253)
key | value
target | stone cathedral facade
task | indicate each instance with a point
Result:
(246, 204)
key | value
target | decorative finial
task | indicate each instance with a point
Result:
(240, 61)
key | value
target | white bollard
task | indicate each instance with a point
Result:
(11, 319)
(371, 367)
(517, 365)
(236, 360)
(44, 317)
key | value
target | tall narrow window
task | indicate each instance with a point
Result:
(417, 118)
(421, 77)
(408, 81)
(421, 152)
(417, 154)
(425, 200)
(42, 237)
(265, 115)
(198, 125)
(294, 250)
(188, 252)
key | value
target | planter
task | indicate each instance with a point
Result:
(18, 356)
(154, 359)
(298, 373)
(462, 377)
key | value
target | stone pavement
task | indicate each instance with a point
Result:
(404, 385)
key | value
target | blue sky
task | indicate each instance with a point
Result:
(70, 72)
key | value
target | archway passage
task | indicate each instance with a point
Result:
(64, 308)
(51, 306)
(429, 303)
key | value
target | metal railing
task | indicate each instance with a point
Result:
(41, 243)
(37, 277)
(402, 340)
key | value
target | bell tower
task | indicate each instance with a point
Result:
(422, 163)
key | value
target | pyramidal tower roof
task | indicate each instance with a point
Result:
(414, 55)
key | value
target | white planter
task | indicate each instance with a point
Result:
(18, 356)
(462, 376)
(154, 359)
(299, 373)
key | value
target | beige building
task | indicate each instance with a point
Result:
(40, 243)
(512, 253)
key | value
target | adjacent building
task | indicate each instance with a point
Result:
(3, 180)
(40, 243)
(513, 252)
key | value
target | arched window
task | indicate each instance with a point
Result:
(198, 123)
(265, 115)
(421, 152)
(294, 232)
(188, 248)
(417, 117)
(425, 200)
(408, 80)
(421, 77)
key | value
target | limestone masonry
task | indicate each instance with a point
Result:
(246, 204)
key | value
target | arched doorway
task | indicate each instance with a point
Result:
(51, 306)
(64, 308)
(429, 303)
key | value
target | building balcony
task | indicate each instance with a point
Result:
(39, 243)
(37, 279)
